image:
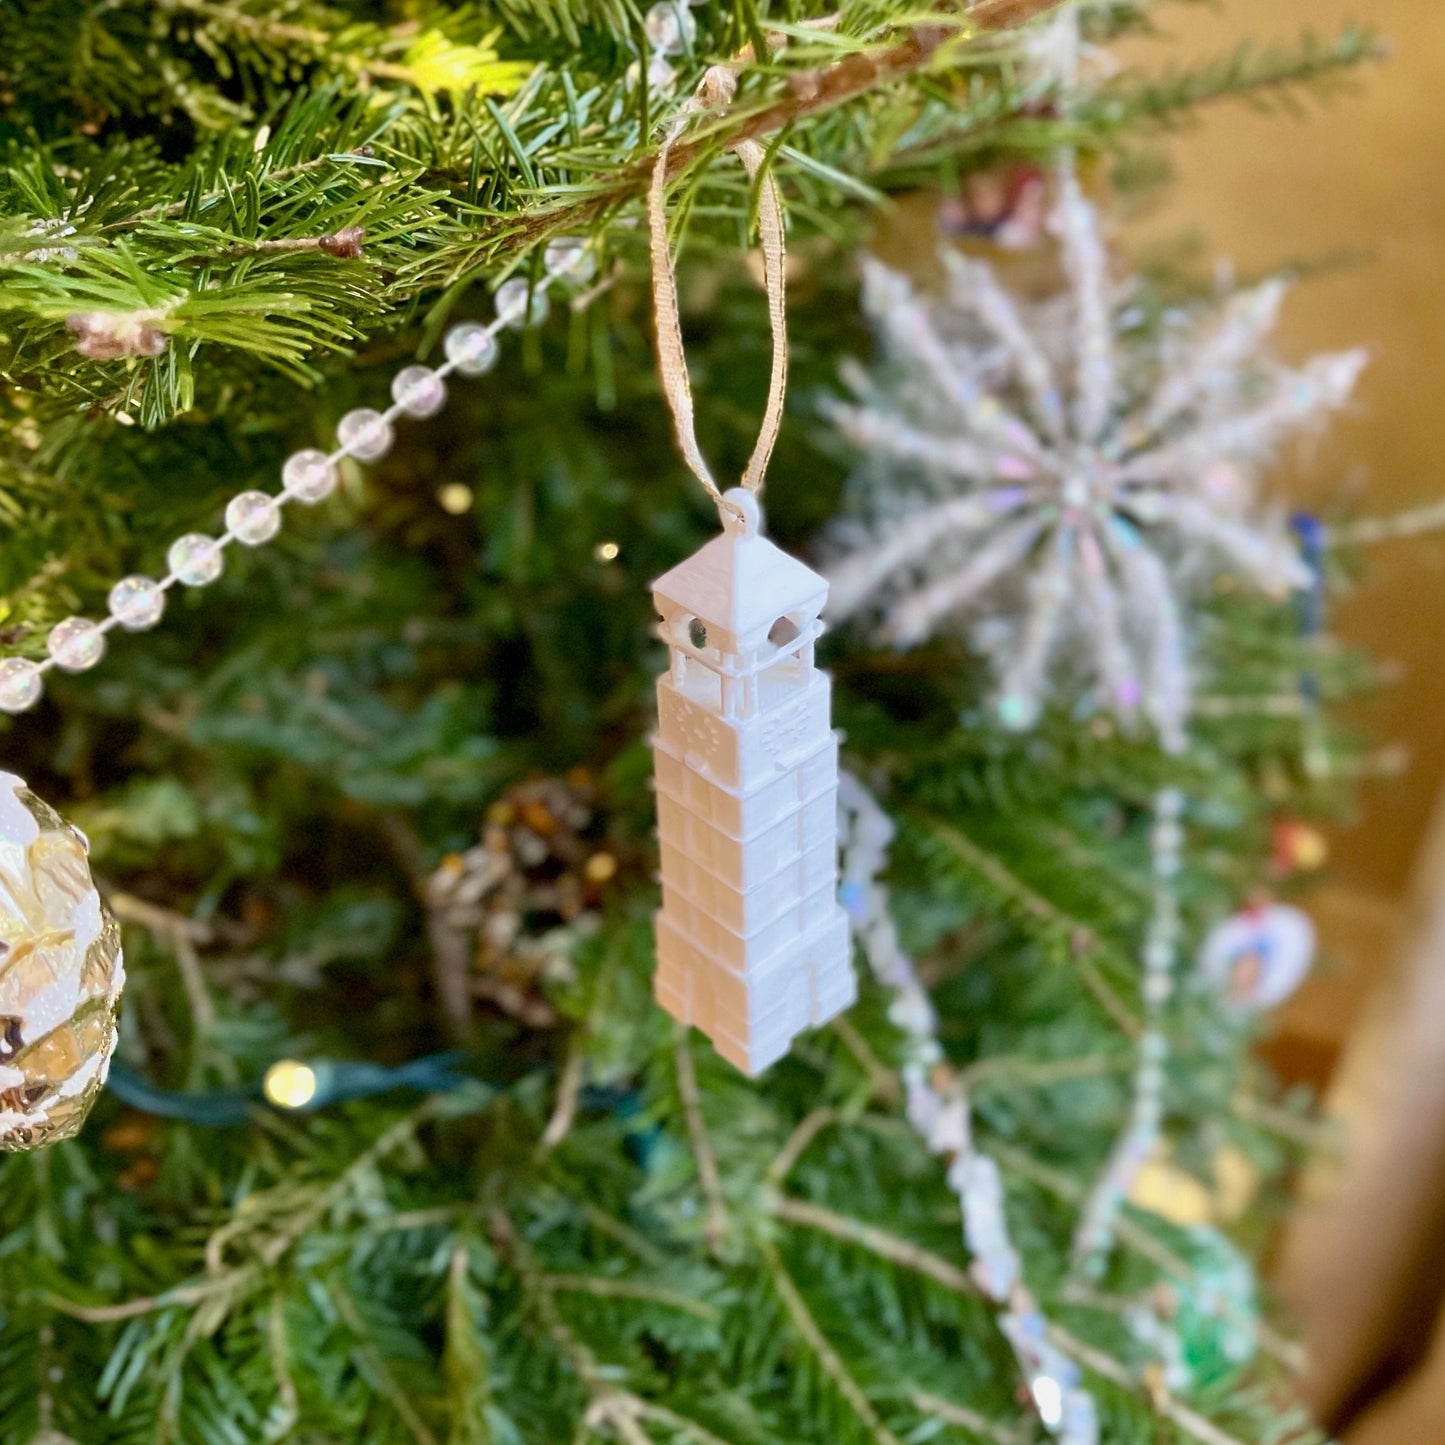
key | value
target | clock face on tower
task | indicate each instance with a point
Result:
(787, 732)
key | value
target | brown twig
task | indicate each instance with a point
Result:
(808, 1129)
(611, 1406)
(715, 1225)
(569, 1090)
(829, 1360)
(885, 1082)
(808, 93)
(964, 1418)
(902, 1252)
(1084, 943)
(451, 958)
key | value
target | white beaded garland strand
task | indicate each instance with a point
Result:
(309, 476)
(253, 517)
(137, 603)
(419, 391)
(1094, 1234)
(938, 1109)
(669, 30)
(195, 559)
(76, 644)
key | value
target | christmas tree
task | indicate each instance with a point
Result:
(397, 1145)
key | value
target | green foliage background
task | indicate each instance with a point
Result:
(275, 768)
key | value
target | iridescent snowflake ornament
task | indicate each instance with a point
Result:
(1066, 475)
(61, 974)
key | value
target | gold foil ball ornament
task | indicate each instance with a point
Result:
(61, 974)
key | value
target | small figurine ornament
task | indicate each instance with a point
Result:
(61, 974)
(752, 946)
(1259, 957)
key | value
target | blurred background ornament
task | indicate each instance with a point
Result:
(1216, 1308)
(527, 892)
(1007, 206)
(1053, 467)
(1297, 847)
(1259, 957)
(61, 974)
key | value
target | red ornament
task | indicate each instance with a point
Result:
(1296, 847)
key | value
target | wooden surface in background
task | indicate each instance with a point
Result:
(1362, 175)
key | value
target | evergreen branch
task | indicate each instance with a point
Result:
(651, 1410)
(879, 1242)
(378, 1370)
(630, 1239)
(179, 1297)
(451, 958)
(395, 1137)
(1042, 1073)
(1259, 1112)
(569, 1092)
(810, 94)
(965, 1419)
(610, 1404)
(320, 43)
(274, 179)
(1246, 73)
(1125, 106)
(1398, 526)
(883, 1081)
(1138, 1239)
(280, 1352)
(822, 1349)
(1193, 1424)
(1283, 705)
(809, 1127)
(604, 1288)
(1084, 945)
(715, 1224)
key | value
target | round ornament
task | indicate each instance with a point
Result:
(1258, 958)
(61, 974)
(1216, 1309)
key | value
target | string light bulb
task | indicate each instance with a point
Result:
(289, 1084)
(455, 498)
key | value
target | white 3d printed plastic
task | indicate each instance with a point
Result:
(752, 946)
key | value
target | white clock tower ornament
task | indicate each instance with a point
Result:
(752, 946)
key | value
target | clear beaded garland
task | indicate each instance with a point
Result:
(20, 684)
(669, 27)
(195, 559)
(419, 391)
(1095, 1231)
(76, 644)
(308, 476)
(670, 31)
(519, 303)
(364, 434)
(253, 518)
(471, 348)
(137, 603)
